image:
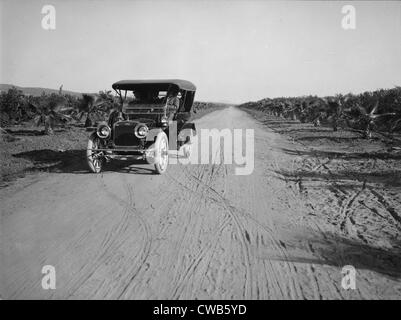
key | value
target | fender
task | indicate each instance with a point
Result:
(152, 134)
(189, 125)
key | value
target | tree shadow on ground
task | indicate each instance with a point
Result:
(344, 155)
(390, 178)
(320, 137)
(336, 250)
(129, 166)
(33, 132)
(26, 132)
(309, 130)
(74, 161)
(55, 161)
(279, 123)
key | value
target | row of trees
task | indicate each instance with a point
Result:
(378, 110)
(199, 106)
(49, 110)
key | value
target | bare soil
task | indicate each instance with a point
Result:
(315, 202)
(25, 149)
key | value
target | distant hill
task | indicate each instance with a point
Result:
(37, 91)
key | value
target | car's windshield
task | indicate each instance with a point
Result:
(144, 102)
(149, 97)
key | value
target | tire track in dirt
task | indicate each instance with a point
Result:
(391, 211)
(302, 190)
(110, 243)
(113, 240)
(178, 264)
(184, 274)
(290, 276)
(240, 230)
(218, 173)
(346, 201)
(188, 271)
(346, 212)
(147, 238)
(210, 246)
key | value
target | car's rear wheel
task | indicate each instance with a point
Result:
(187, 148)
(161, 153)
(95, 158)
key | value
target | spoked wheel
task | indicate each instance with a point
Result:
(161, 153)
(94, 158)
(187, 146)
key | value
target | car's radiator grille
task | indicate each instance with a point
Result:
(124, 135)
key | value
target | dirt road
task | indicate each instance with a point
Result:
(199, 231)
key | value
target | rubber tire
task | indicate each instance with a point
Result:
(187, 150)
(187, 146)
(95, 167)
(160, 140)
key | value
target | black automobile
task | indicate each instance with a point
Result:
(152, 118)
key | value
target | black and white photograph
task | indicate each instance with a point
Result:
(197, 150)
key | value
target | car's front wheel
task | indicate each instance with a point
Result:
(94, 157)
(161, 153)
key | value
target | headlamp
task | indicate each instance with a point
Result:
(164, 122)
(141, 130)
(103, 131)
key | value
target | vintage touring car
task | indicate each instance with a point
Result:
(152, 118)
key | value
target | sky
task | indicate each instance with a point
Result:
(234, 51)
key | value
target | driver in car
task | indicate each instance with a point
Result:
(172, 103)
